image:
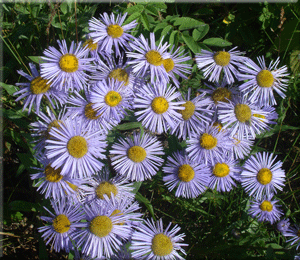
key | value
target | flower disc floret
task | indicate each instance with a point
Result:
(113, 98)
(188, 111)
(52, 175)
(136, 154)
(101, 226)
(154, 58)
(114, 30)
(266, 206)
(90, 44)
(221, 94)
(168, 64)
(39, 86)
(68, 63)
(221, 170)
(222, 58)
(120, 75)
(161, 245)
(265, 79)
(159, 105)
(264, 176)
(186, 173)
(242, 112)
(61, 224)
(90, 113)
(208, 142)
(77, 146)
(106, 188)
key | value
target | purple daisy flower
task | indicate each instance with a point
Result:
(110, 99)
(76, 148)
(109, 32)
(213, 63)
(137, 159)
(265, 209)
(261, 175)
(263, 81)
(241, 147)
(149, 58)
(36, 89)
(293, 231)
(64, 222)
(156, 108)
(150, 241)
(65, 68)
(195, 116)
(223, 173)
(208, 145)
(283, 225)
(191, 178)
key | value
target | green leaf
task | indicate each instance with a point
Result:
(190, 42)
(217, 42)
(200, 32)
(136, 185)
(186, 23)
(64, 7)
(135, 9)
(10, 89)
(277, 129)
(36, 59)
(172, 41)
(128, 126)
(28, 160)
(152, 10)
(145, 22)
(166, 30)
(160, 26)
(139, 197)
(132, 17)
(21, 205)
(295, 62)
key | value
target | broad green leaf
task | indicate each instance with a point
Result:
(152, 10)
(172, 41)
(217, 42)
(36, 59)
(10, 89)
(132, 17)
(200, 32)
(295, 62)
(134, 9)
(145, 22)
(167, 30)
(28, 160)
(64, 7)
(160, 26)
(186, 23)
(190, 42)
(127, 126)
(136, 185)
(139, 197)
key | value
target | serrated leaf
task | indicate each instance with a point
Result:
(160, 26)
(132, 17)
(219, 42)
(139, 197)
(166, 30)
(10, 89)
(186, 23)
(145, 22)
(172, 39)
(152, 10)
(200, 32)
(190, 42)
(295, 62)
(134, 9)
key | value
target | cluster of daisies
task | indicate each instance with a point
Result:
(90, 87)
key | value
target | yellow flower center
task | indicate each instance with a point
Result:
(114, 30)
(222, 58)
(54, 123)
(72, 186)
(68, 63)
(101, 226)
(188, 111)
(119, 213)
(208, 142)
(106, 188)
(159, 105)
(39, 86)
(77, 146)
(221, 94)
(264, 176)
(136, 154)
(266, 206)
(221, 170)
(90, 113)
(265, 79)
(242, 112)
(186, 173)
(61, 224)
(154, 58)
(121, 75)
(168, 64)
(218, 125)
(112, 98)
(161, 245)
(52, 175)
(90, 44)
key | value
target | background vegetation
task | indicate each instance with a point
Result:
(216, 225)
